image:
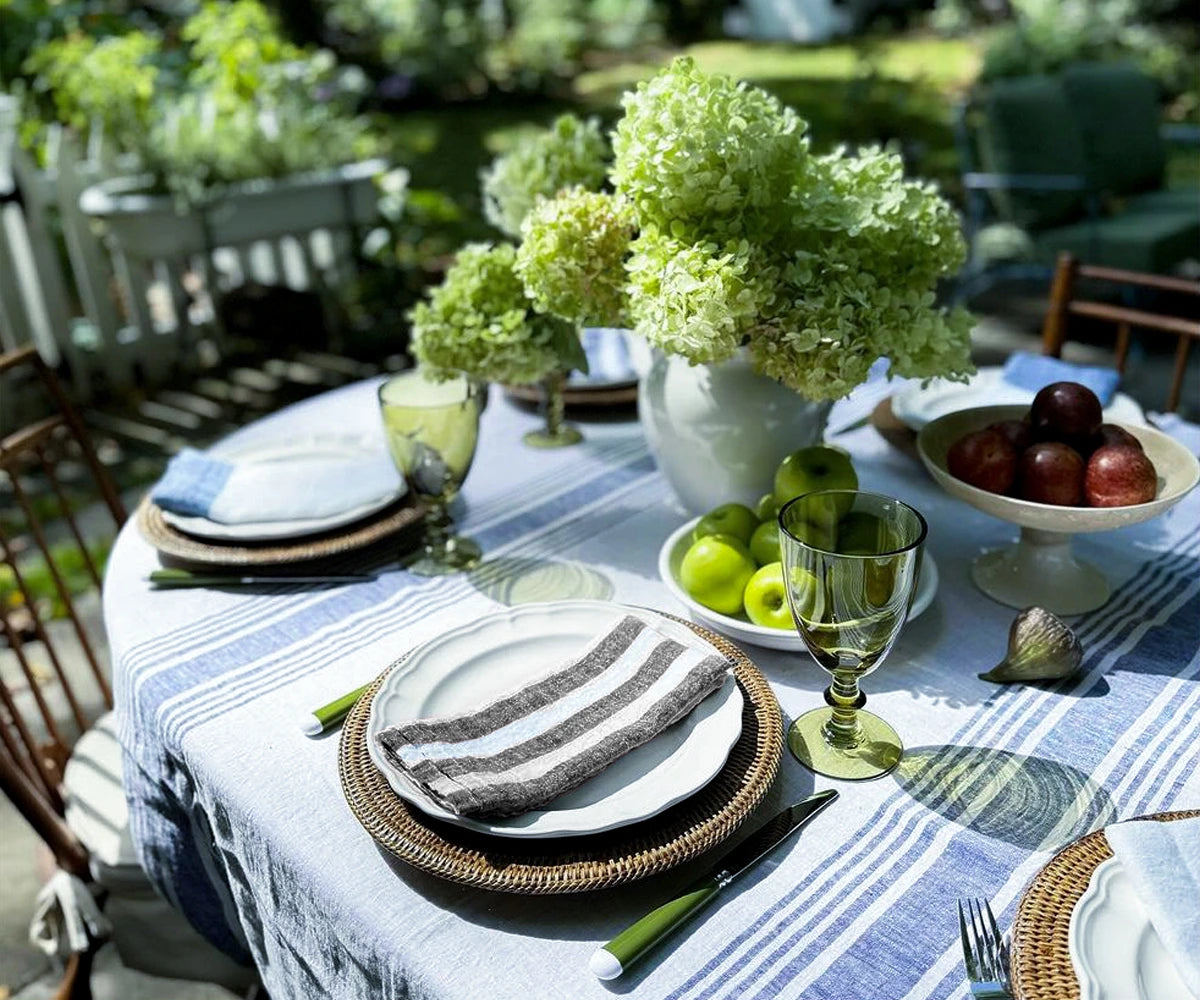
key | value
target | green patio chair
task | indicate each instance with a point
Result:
(1073, 167)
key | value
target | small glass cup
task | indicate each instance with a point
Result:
(431, 420)
(850, 564)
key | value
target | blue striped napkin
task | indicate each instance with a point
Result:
(303, 487)
(1035, 371)
(533, 744)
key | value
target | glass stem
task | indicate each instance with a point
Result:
(843, 696)
(555, 407)
(438, 528)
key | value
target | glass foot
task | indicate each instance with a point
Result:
(877, 752)
(544, 438)
(458, 555)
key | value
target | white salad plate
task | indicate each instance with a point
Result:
(1114, 949)
(610, 360)
(334, 446)
(741, 629)
(916, 405)
(474, 664)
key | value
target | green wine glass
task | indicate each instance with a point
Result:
(850, 563)
(431, 420)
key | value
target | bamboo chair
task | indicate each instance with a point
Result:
(1065, 304)
(60, 762)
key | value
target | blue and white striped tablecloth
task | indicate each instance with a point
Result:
(241, 822)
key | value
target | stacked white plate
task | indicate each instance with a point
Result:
(475, 663)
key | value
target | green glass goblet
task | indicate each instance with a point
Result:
(556, 433)
(850, 563)
(431, 421)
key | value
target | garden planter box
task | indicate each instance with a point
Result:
(150, 226)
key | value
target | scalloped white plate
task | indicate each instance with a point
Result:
(1114, 949)
(916, 405)
(473, 664)
(741, 628)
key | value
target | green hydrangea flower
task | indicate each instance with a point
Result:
(571, 256)
(480, 321)
(570, 152)
(705, 158)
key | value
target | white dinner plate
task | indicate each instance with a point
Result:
(741, 628)
(316, 445)
(610, 360)
(1115, 951)
(916, 406)
(475, 663)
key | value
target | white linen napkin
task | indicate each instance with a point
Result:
(1163, 863)
(66, 917)
(230, 491)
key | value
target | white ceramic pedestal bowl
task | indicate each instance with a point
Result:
(1040, 568)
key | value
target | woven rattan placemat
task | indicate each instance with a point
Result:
(1041, 963)
(573, 864)
(196, 551)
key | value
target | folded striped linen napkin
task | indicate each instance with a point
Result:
(197, 484)
(531, 745)
(1034, 371)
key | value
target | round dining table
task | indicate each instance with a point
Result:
(241, 822)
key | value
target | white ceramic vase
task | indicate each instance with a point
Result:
(718, 432)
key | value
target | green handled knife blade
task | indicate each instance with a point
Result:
(635, 941)
(180, 578)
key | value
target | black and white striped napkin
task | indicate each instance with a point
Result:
(533, 744)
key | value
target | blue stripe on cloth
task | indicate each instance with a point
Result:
(191, 483)
(150, 693)
(1131, 604)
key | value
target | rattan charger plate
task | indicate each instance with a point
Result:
(1041, 964)
(185, 548)
(573, 864)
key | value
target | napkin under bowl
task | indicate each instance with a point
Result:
(531, 745)
(229, 491)
(1036, 371)
(1162, 861)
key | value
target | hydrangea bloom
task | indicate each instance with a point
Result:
(480, 321)
(571, 255)
(820, 264)
(570, 152)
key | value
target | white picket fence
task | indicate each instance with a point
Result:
(123, 289)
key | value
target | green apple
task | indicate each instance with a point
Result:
(764, 543)
(733, 519)
(715, 571)
(766, 509)
(807, 596)
(818, 467)
(863, 534)
(766, 598)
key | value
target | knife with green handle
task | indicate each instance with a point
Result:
(322, 719)
(636, 940)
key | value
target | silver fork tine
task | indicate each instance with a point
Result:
(1002, 947)
(984, 939)
(967, 944)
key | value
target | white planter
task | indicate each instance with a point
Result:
(149, 226)
(718, 432)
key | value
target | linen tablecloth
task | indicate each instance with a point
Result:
(240, 820)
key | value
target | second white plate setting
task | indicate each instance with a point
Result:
(473, 664)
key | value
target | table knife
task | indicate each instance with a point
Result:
(186, 578)
(321, 720)
(635, 941)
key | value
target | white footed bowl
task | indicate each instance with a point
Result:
(1040, 568)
